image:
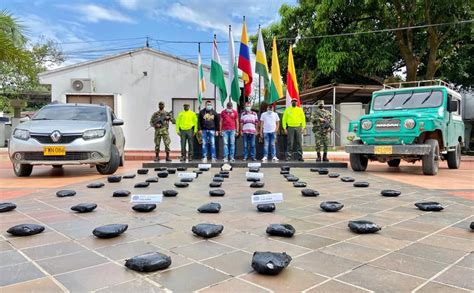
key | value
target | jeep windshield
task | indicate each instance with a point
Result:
(408, 100)
(83, 113)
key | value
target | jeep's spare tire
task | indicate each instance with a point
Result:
(323, 171)
(210, 208)
(390, 193)
(129, 176)
(331, 206)
(363, 227)
(333, 175)
(270, 263)
(170, 193)
(257, 184)
(259, 192)
(266, 207)
(282, 230)
(215, 184)
(162, 174)
(181, 184)
(84, 207)
(95, 185)
(142, 184)
(65, 193)
(152, 180)
(114, 178)
(144, 207)
(361, 184)
(430, 206)
(207, 230)
(110, 231)
(121, 193)
(25, 229)
(299, 184)
(148, 262)
(309, 192)
(7, 206)
(347, 179)
(142, 171)
(216, 192)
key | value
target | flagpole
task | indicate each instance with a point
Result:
(199, 81)
(259, 86)
(215, 93)
(230, 82)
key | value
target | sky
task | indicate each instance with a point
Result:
(89, 29)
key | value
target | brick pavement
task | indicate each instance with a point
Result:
(414, 251)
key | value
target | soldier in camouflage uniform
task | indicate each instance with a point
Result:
(322, 126)
(160, 120)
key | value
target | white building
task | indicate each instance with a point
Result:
(132, 83)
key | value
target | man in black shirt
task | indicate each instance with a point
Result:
(208, 122)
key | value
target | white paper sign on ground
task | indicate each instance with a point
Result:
(146, 198)
(205, 166)
(254, 165)
(267, 198)
(253, 175)
(187, 175)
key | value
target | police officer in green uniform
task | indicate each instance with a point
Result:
(322, 126)
(160, 120)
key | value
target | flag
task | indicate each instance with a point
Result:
(233, 72)
(217, 74)
(292, 91)
(201, 81)
(276, 89)
(244, 61)
(261, 66)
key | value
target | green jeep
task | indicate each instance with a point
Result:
(412, 123)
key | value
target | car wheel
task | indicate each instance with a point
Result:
(22, 170)
(112, 165)
(394, 163)
(358, 162)
(454, 158)
(430, 162)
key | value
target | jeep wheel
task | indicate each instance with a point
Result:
(394, 163)
(358, 162)
(22, 170)
(454, 158)
(430, 162)
(112, 165)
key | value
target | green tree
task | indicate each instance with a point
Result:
(369, 57)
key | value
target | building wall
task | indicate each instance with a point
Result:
(136, 95)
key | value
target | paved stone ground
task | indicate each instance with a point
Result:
(415, 250)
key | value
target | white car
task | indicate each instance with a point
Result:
(68, 134)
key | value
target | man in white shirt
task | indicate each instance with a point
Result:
(268, 130)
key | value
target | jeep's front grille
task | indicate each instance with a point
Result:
(46, 138)
(387, 125)
(70, 156)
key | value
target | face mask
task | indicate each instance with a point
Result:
(186, 108)
(229, 110)
(209, 108)
(293, 104)
(247, 109)
(320, 106)
(162, 107)
(269, 110)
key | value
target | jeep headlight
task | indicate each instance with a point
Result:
(366, 124)
(21, 134)
(94, 133)
(409, 123)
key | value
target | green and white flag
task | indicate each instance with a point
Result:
(233, 72)
(217, 74)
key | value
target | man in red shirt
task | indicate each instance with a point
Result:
(229, 129)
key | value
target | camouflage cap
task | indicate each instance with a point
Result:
(161, 103)
(320, 102)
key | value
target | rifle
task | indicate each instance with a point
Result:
(326, 124)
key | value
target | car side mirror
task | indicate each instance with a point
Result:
(117, 122)
(452, 106)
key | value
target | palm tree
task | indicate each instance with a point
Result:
(12, 44)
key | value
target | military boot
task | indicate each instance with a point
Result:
(325, 157)
(157, 156)
(168, 159)
(318, 159)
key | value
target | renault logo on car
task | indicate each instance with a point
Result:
(55, 136)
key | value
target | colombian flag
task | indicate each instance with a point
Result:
(292, 91)
(244, 61)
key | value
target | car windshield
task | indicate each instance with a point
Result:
(72, 113)
(408, 100)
